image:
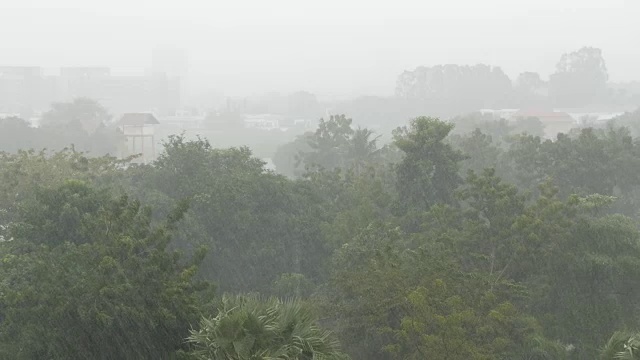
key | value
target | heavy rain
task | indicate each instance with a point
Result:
(291, 180)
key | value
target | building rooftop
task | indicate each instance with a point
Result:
(541, 114)
(138, 119)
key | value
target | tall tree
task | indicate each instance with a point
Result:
(362, 148)
(329, 143)
(494, 209)
(336, 145)
(85, 113)
(479, 149)
(429, 172)
(580, 78)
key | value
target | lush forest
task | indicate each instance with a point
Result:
(456, 240)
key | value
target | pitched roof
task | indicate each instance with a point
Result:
(138, 119)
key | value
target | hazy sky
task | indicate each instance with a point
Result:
(337, 47)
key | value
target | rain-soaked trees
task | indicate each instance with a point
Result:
(484, 244)
(86, 275)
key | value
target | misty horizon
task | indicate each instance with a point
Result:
(330, 49)
(333, 180)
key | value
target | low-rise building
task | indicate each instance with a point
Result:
(138, 134)
(554, 122)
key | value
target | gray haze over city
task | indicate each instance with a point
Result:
(330, 48)
(263, 73)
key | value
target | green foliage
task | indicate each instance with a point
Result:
(442, 323)
(23, 173)
(533, 254)
(622, 345)
(589, 295)
(480, 151)
(78, 214)
(428, 174)
(101, 286)
(591, 162)
(291, 285)
(257, 225)
(494, 209)
(336, 145)
(287, 158)
(247, 327)
(394, 302)
(329, 144)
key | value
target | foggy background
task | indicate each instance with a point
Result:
(451, 180)
(262, 74)
(335, 49)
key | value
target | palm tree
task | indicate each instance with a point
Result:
(622, 346)
(248, 328)
(539, 348)
(362, 148)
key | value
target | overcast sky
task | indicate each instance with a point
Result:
(337, 47)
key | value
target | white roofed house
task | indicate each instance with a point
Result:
(138, 135)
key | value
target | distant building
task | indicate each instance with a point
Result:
(499, 113)
(184, 120)
(236, 105)
(81, 72)
(594, 118)
(262, 122)
(24, 90)
(137, 130)
(173, 64)
(554, 122)
(121, 94)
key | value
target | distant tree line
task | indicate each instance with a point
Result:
(580, 79)
(82, 123)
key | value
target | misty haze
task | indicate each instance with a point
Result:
(257, 180)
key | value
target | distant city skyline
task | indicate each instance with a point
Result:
(333, 47)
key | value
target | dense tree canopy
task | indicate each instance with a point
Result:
(428, 173)
(86, 275)
(469, 239)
